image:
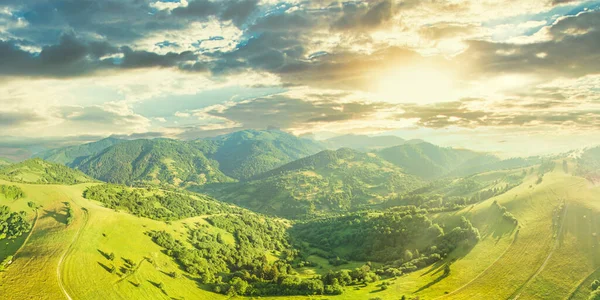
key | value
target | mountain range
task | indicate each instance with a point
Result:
(329, 181)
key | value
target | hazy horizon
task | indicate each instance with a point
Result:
(516, 80)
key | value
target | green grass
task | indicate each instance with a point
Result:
(505, 263)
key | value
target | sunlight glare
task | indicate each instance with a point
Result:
(416, 84)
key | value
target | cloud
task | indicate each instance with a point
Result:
(18, 118)
(572, 51)
(286, 111)
(461, 114)
(73, 57)
(108, 117)
(364, 15)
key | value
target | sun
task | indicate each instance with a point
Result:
(416, 84)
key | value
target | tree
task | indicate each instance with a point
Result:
(595, 285)
(446, 270)
(239, 286)
(111, 256)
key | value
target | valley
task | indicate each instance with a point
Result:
(518, 233)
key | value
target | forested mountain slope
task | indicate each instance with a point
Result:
(73, 155)
(158, 161)
(246, 153)
(329, 181)
(430, 161)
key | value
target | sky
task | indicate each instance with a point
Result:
(511, 77)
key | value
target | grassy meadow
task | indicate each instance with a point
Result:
(552, 253)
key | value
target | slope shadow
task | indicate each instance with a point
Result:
(158, 286)
(105, 267)
(436, 280)
(58, 217)
(105, 254)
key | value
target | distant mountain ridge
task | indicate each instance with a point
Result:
(239, 155)
(429, 161)
(363, 142)
(72, 155)
(246, 153)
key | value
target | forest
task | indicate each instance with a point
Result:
(154, 203)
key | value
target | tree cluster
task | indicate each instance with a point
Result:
(12, 224)
(155, 204)
(11, 192)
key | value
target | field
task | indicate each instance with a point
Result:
(552, 253)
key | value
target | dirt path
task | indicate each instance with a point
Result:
(69, 249)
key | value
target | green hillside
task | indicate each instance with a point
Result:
(246, 153)
(39, 171)
(363, 142)
(329, 181)
(73, 155)
(538, 238)
(430, 161)
(158, 161)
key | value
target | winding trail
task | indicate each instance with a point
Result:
(69, 249)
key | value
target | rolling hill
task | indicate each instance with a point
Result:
(158, 161)
(329, 181)
(39, 171)
(73, 155)
(246, 153)
(539, 239)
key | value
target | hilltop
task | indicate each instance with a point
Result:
(158, 161)
(39, 171)
(329, 181)
(72, 155)
(244, 154)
